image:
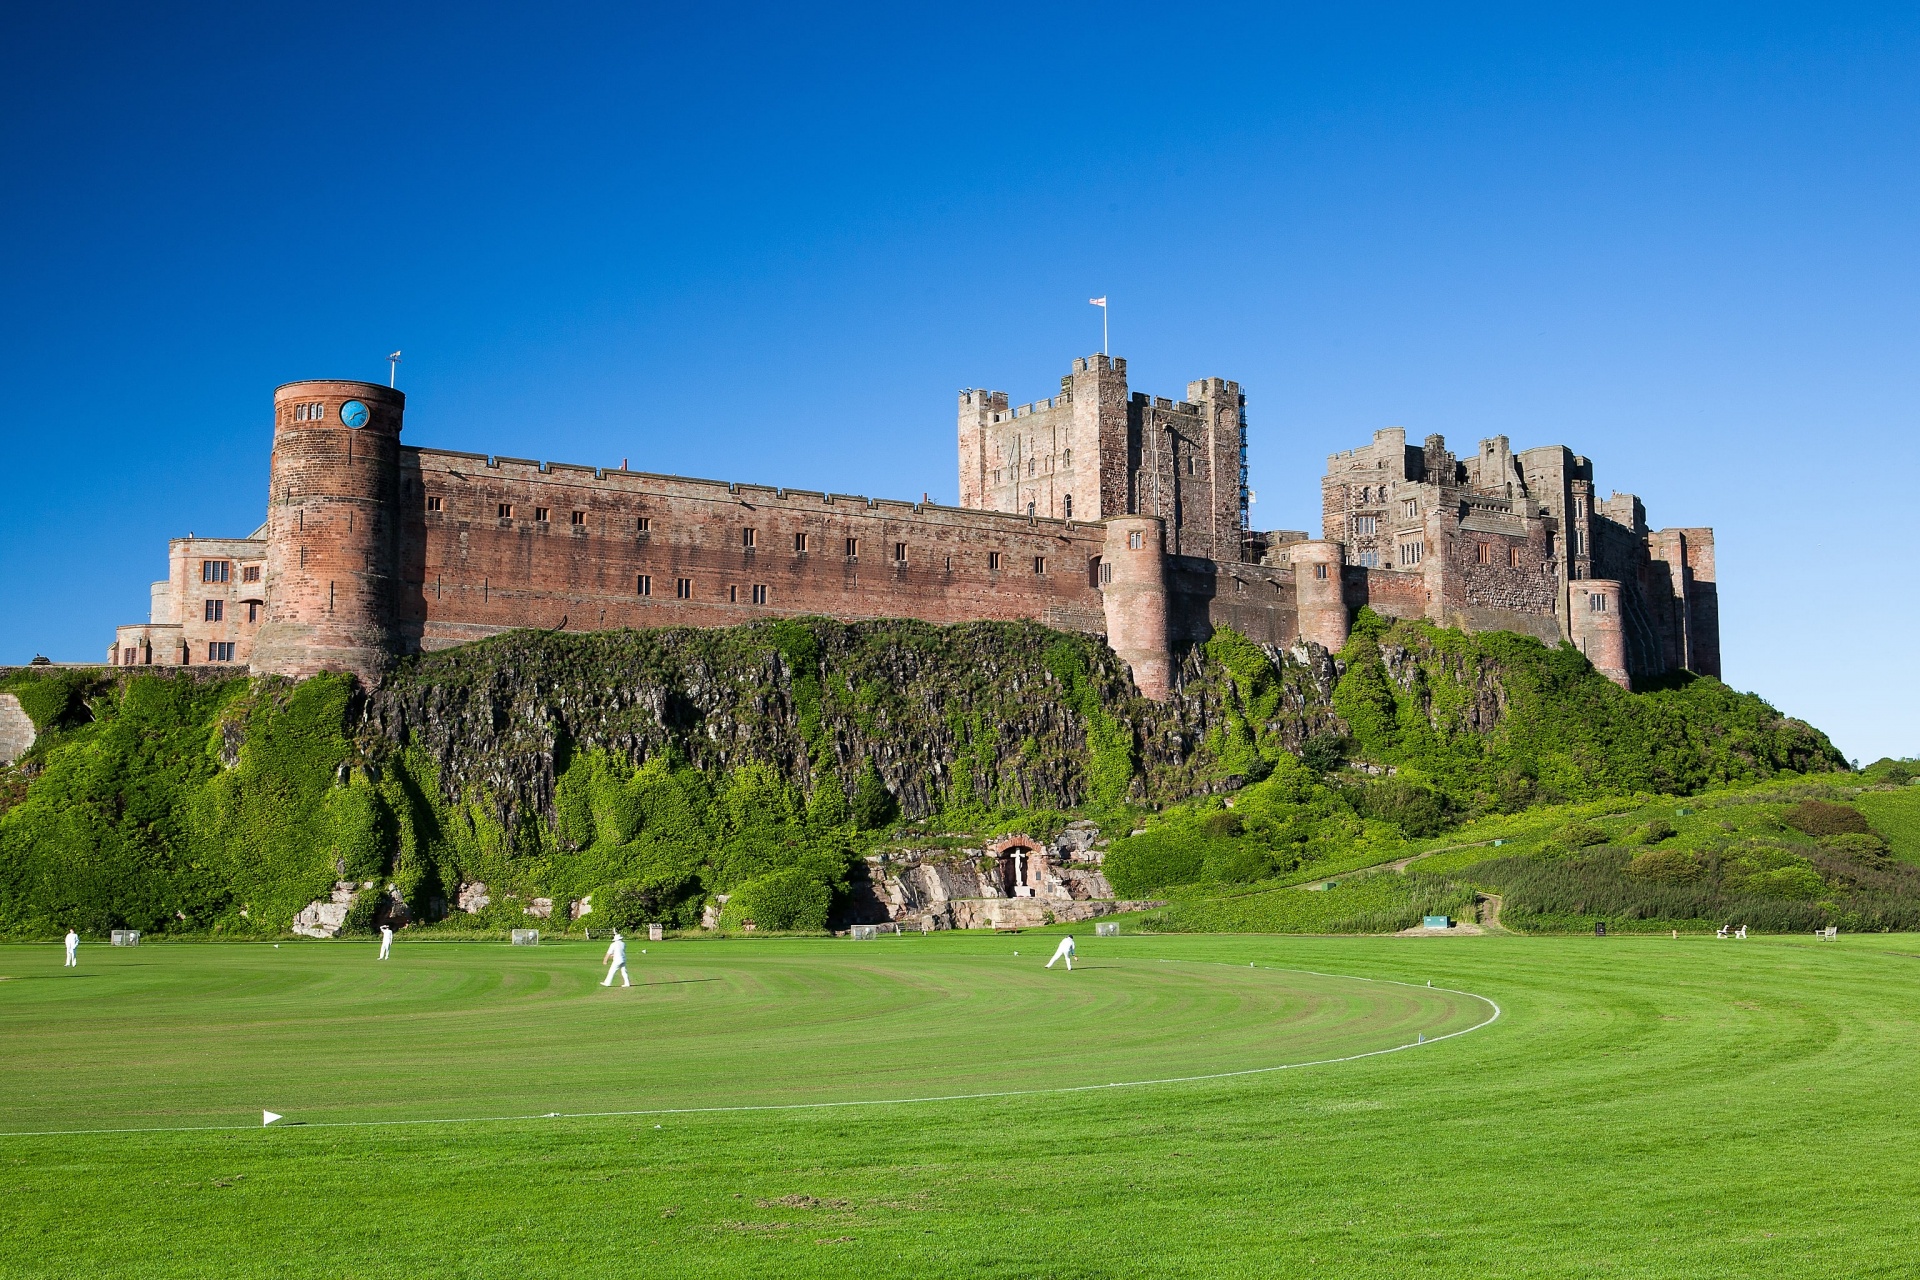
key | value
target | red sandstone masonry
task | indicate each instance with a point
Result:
(374, 549)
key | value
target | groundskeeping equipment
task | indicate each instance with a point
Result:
(125, 937)
(526, 937)
(1107, 929)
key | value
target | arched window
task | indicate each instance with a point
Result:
(1069, 504)
(1029, 510)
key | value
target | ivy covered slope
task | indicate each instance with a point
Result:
(651, 769)
(1423, 731)
(656, 770)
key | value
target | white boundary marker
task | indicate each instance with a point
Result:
(1420, 1043)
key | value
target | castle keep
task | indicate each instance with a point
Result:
(1099, 510)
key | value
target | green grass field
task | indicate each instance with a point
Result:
(1641, 1107)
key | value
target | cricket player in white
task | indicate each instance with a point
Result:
(386, 941)
(1063, 952)
(616, 961)
(73, 950)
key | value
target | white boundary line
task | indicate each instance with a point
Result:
(856, 1102)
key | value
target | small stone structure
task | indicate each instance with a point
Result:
(1012, 882)
(16, 729)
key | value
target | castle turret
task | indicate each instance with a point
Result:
(1319, 585)
(1133, 584)
(334, 480)
(1595, 619)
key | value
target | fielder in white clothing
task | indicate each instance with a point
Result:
(386, 940)
(616, 961)
(1063, 952)
(73, 950)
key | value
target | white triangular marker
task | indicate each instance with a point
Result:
(268, 1117)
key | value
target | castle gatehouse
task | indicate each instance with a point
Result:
(1099, 510)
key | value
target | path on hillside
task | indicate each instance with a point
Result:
(1399, 864)
(1490, 922)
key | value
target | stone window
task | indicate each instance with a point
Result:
(1029, 511)
(541, 515)
(683, 588)
(800, 544)
(1066, 458)
(253, 611)
(1320, 571)
(1579, 543)
(1597, 603)
(1579, 508)
(1483, 552)
(1366, 526)
(216, 611)
(1369, 559)
(644, 584)
(1030, 463)
(748, 539)
(506, 511)
(1513, 556)
(1106, 573)
(900, 552)
(579, 517)
(309, 412)
(433, 503)
(853, 548)
(760, 593)
(1410, 508)
(993, 560)
(220, 651)
(1410, 553)
(1134, 540)
(1039, 564)
(215, 570)
(250, 573)
(1069, 506)
(643, 524)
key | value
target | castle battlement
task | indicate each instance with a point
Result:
(1100, 509)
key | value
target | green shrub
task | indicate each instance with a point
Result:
(786, 900)
(1138, 865)
(1579, 835)
(1656, 831)
(1818, 818)
(1667, 866)
(1857, 844)
(874, 807)
(1416, 810)
(1324, 752)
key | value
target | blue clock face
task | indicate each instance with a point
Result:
(354, 414)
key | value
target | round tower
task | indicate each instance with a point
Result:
(1319, 589)
(334, 481)
(1598, 628)
(1133, 586)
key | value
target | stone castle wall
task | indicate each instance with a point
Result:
(1099, 510)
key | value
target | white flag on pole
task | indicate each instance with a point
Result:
(1096, 302)
(268, 1117)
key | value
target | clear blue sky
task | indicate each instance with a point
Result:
(770, 245)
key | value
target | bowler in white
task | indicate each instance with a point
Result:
(1063, 952)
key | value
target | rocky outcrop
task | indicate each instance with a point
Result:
(1014, 881)
(16, 729)
(323, 919)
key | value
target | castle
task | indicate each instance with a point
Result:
(1098, 510)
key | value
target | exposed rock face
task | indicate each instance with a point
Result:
(473, 898)
(16, 729)
(539, 907)
(1012, 882)
(323, 919)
